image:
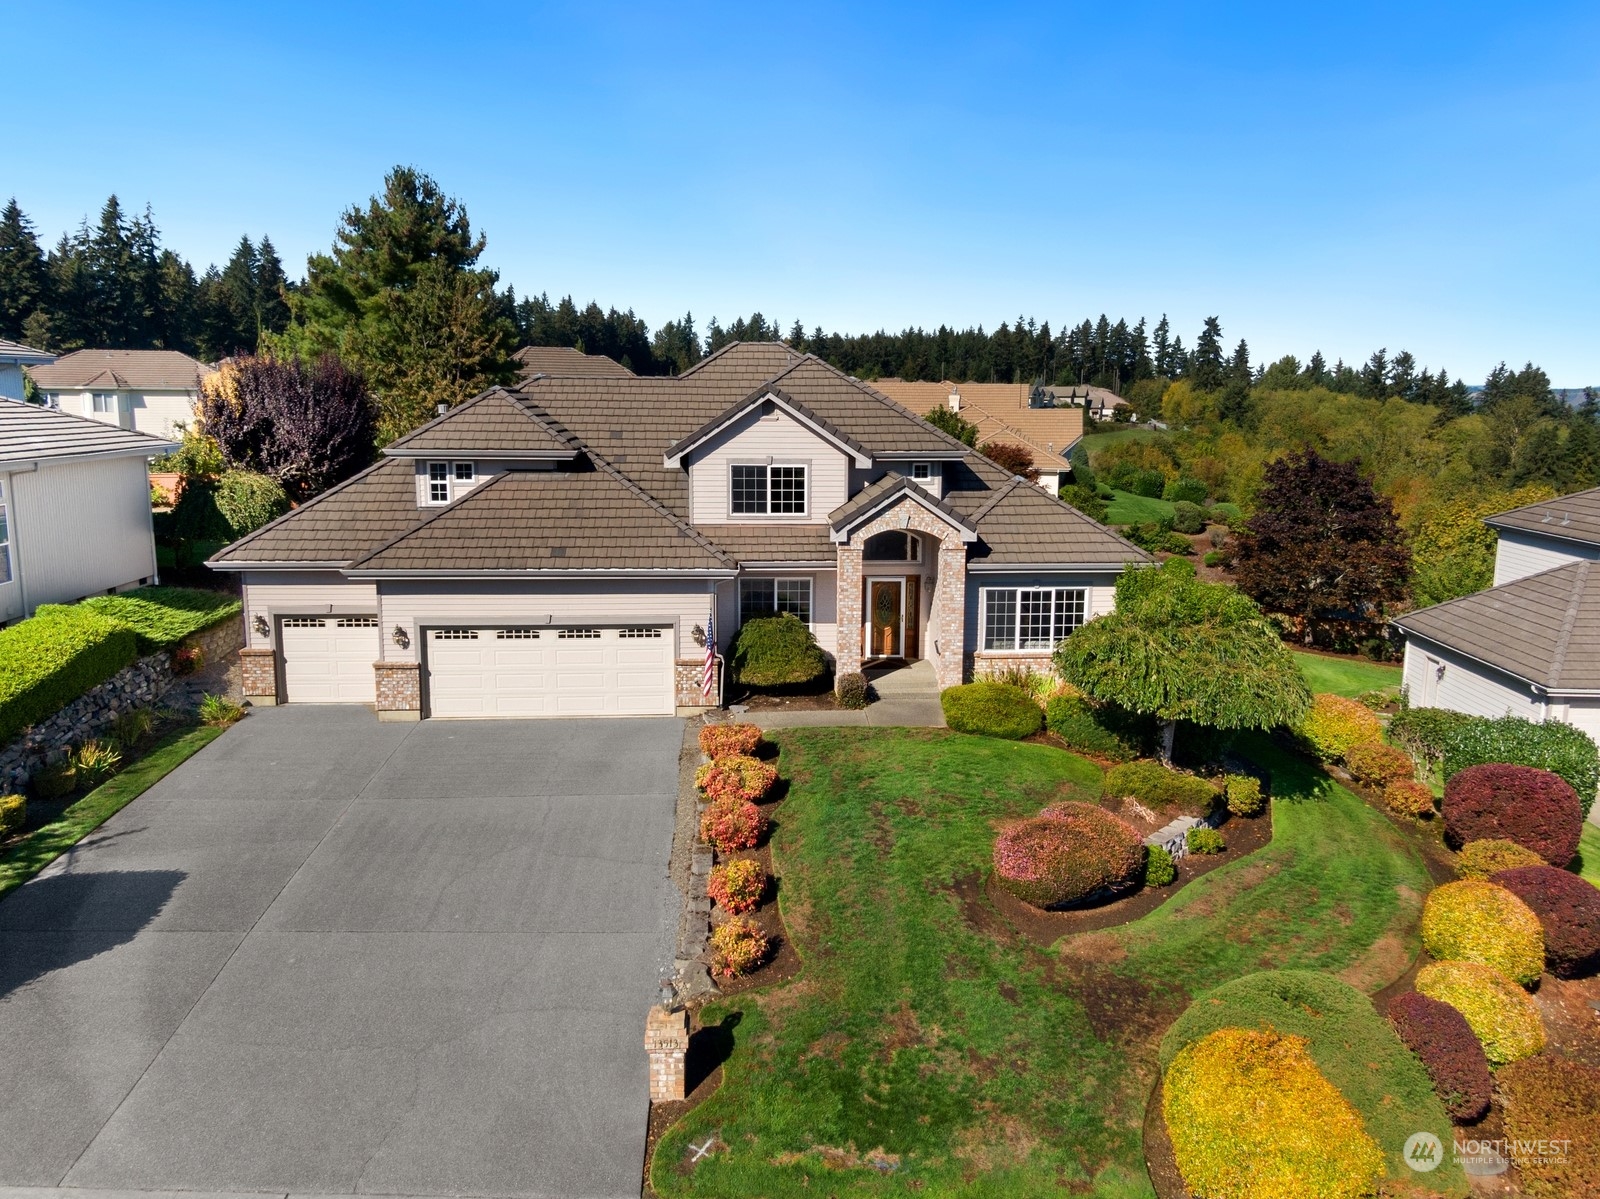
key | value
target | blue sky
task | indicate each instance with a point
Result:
(1338, 176)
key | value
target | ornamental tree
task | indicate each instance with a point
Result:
(1323, 547)
(1179, 649)
(1012, 458)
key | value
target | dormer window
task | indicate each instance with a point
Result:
(449, 480)
(768, 490)
(922, 474)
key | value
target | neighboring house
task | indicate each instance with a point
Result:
(13, 357)
(557, 549)
(1009, 412)
(563, 361)
(1530, 644)
(1099, 402)
(74, 508)
(147, 391)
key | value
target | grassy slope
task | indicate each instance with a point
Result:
(1095, 442)
(1349, 677)
(973, 1057)
(48, 842)
(1589, 851)
(1125, 508)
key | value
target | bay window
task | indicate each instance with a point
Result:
(1031, 618)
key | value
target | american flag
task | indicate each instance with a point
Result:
(711, 656)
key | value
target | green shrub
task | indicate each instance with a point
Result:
(1204, 840)
(777, 651)
(1158, 538)
(991, 710)
(851, 690)
(1185, 490)
(94, 762)
(1554, 1099)
(1424, 732)
(1475, 921)
(1350, 1042)
(1100, 729)
(1336, 725)
(55, 781)
(219, 711)
(1149, 483)
(48, 661)
(133, 726)
(226, 508)
(13, 814)
(1554, 746)
(1250, 1115)
(1500, 1012)
(1244, 794)
(1217, 558)
(1085, 500)
(1153, 785)
(1480, 859)
(1230, 514)
(1159, 868)
(1188, 518)
(164, 616)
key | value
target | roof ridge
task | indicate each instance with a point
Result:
(453, 410)
(1564, 638)
(998, 496)
(452, 506)
(1553, 500)
(1462, 599)
(728, 348)
(896, 406)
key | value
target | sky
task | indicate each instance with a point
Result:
(1340, 177)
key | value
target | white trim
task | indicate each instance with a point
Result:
(1016, 646)
(841, 533)
(769, 465)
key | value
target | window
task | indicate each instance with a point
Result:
(768, 491)
(922, 475)
(896, 545)
(455, 634)
(450, 480)
(104, 402)
(516, 635)
(768, 597)
(5, 538)
(578, 635)
(1031, 618)
(463, 472)
(639, 634)
(356, 622)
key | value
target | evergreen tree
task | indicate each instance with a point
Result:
(1210, 371)
(1162, 341)
(1375, 376)
(24, 283)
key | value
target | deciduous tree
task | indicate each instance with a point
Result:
(1011, 457)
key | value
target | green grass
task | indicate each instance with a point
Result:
(1589, 852)
(1093, 443)
(987, 1065)
(164, 616)
(48, 842)
(1349, 677)
(1125, 508)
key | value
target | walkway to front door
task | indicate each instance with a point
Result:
(907, 697)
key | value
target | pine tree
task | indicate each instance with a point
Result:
(1162, 341)
(24, 283)
(1210, 371)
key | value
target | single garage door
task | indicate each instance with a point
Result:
(580, 671)
(328, 659)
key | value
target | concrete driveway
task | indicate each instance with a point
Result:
(329, 955)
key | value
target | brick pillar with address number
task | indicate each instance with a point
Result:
(666, 1040)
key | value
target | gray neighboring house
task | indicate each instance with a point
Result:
(147, 391)
(13, 357)
(74, 508)
(1529, 645)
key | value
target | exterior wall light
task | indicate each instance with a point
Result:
(401, 637)
(260, 625)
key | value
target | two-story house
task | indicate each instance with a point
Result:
(146, 391)
(14, 358)
(560, 548)
(1530, 644)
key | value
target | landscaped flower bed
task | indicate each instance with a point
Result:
(1502, 1016)
(1475, 921)
(1534, 808)
(1069, 853)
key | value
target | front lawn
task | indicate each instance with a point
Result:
(1125, 508)
(1349, 677)
(1589, 852)
(926, 1048)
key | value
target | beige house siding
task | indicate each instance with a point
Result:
(270, 594)
(1464, 685)
(158, 413)
(1518, 555)
(755, 438)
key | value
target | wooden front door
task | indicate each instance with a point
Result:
(886, 608)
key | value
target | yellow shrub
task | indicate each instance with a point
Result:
(1250, 1115)
(1480, 859)
(1500, 1013)
(1475, 921)
(1336, 725)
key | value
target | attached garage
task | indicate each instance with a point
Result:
(483, 672)
(328, 659)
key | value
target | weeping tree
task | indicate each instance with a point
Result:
(1179, 649)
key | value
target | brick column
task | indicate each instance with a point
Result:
(847, 653)
(949, 620)
(399, 690)
(666, 1040)
(259, 668)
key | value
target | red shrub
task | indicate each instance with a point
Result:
(737, 947)
(732, 824)
(1568, 908)
(1449, 1051)
(721, 740)
(737, 776)
(1532, 807)
(737, 885)
(1066, 854)
(1378, 765)
(1409, 798)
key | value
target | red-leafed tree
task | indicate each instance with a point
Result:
(307, 425)
(1322, 548)
(1014, 458)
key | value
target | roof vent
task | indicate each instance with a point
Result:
(442, 407)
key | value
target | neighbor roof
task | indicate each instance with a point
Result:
(1573, 517)
(1543, 629)
(563, 360)
(33, 433)
(15, 351)
(162, 370)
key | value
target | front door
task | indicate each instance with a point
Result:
(885, 601)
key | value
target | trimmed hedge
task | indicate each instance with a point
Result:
(1409, 798)
(1066, 854)
(1153, 785)
(1250, 1115)
(1554, 1098)
(1375, 764)
(851, 690)
(1502, 1016)
(1159, 868)
(777, 651)
(1425, 732)
(723, 740)
(1475, 921)
(1553, 745)
(1535, 808)
(1103, 730)
(164, 616)
(1244, 795)
(1336, 725)
(46, 662)
(1480, 859)
(735, 777)
(1568, 909)
(1351, 1043)
(732, 824)
(991, 710)
(1445, 1045)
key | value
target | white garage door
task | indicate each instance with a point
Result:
(581, 671)
(328, 659)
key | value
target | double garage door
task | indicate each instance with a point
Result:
(478, 672)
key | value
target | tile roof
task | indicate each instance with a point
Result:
(1573, 517)
(494, 422)
(773, 543)
(121, 370)
(340, 525)
(886, 488)
(1001, 413)
(1019, 525)
(15, 351)
(33, 433)
(744, 359)
(1544, 629)
(563, 360)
